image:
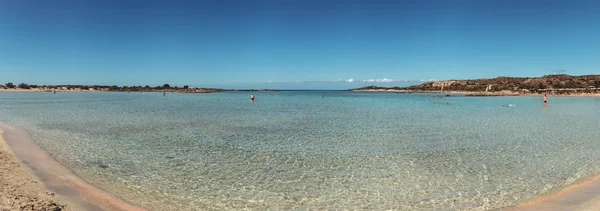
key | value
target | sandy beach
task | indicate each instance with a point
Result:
(35, 181)
(20, 189)
(583, 195)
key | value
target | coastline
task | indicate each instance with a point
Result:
(466, 93)
(70, 192)
(479, 94)
(20, 189)
(51, 176)
(153, 91)
(581, 195)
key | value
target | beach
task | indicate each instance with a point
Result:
(300, 105)
(582, 195)
(35, 181)
(300, 151)
(20, 189)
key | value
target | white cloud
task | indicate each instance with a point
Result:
(350, 80)
(382, 80)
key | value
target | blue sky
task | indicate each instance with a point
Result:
(293, 44)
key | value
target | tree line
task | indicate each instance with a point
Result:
(11, 85)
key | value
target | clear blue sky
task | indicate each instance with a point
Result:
(293, 44)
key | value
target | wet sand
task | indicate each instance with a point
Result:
(41, 175)
(19, 188)
(583, 195)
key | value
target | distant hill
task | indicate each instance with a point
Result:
(502, 83)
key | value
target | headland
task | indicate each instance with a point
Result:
(559, 85)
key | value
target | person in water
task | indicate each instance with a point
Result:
(252, 97)
(545, 99)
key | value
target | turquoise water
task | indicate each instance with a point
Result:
(295, 150)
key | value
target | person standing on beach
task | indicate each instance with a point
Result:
(545, 99)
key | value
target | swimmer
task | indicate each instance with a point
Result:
(252, 97)
(545, 100)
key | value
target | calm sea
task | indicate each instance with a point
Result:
(314, 149)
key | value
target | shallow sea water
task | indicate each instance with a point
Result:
(295, 150)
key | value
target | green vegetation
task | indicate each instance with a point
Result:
(113, 88)
(23, 86)
(10, 85)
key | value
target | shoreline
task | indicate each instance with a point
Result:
(59, 187)
(581, 195)
(466, 93)
(20, 189)
(59, 91)
(480, 94)
(67, 187)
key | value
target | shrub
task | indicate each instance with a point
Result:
(9, 85)
(23, 86)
